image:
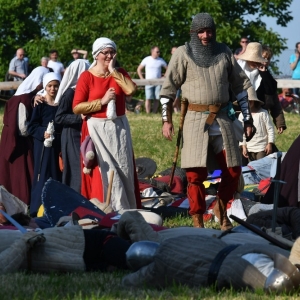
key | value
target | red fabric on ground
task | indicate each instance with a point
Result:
(264, 185)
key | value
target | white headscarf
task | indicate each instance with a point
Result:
(253, 74)
(71, 77)
(32, 81)
(47, 78)
(99, 45)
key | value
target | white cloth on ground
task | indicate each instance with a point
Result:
(260, 207)
(12, 204)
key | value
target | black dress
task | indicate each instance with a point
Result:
(46, 163)
(70, 140)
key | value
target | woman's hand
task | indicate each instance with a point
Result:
(112, 63)
(46, 135)
(38, 99)
(83, 117)
(109, 95)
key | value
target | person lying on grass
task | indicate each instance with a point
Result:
(189, 256)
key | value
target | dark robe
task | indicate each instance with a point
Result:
(70, 140)
(267, 92)
(46, 163)
(16, 151)
(289, 192)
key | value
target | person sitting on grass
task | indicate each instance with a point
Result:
(133, 105)
(288, 100)
(263, 140)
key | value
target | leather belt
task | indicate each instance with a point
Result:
(213, 109)
(217, 263)
(204, 107)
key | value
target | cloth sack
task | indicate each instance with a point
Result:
(88, 153)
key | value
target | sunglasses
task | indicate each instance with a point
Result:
(245, 42)
(106, 53)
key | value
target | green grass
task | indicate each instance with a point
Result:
(94, 286)
(147, 142)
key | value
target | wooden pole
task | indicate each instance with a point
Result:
(184, 105)
(9, 85)
(110, 184)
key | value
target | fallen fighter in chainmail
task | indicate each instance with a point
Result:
(185, 255)
(204, 257)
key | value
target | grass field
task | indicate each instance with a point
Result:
(148, 142)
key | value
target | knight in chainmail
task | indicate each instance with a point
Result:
(206, 70)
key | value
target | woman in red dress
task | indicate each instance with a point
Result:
(100, 96)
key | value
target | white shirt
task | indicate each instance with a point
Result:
(57, 67)
(265, 132)
(153, 66)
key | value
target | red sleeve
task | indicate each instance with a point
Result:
(82, 89)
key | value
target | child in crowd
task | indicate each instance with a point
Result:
(261, 143)
(45, 155)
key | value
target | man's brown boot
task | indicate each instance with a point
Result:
(198, 220)
(220, 211)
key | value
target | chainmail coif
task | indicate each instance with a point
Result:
(208, 55)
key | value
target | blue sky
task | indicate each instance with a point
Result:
(292, 31)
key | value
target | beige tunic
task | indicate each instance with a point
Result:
(205, 86)
(62, 251)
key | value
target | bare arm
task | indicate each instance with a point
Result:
(83, 52)
(13, 73)
(139, 71)
(294, 64)
(166, 67)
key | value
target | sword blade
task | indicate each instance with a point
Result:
(13, 221)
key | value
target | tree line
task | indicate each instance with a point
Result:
(135, 26)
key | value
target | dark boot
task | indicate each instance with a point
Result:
(198, 220)
(220, 211)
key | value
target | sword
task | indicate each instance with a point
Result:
(260, 233)
(13, 221)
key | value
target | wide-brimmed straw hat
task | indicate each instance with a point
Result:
(252, 96)
(253, 52)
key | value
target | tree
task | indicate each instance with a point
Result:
(135, 26)
(19, 23)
